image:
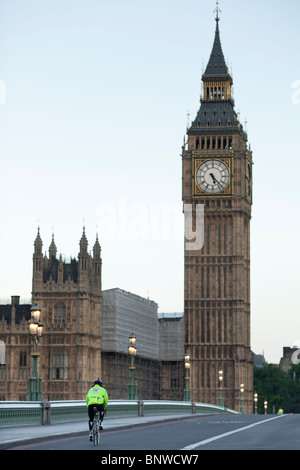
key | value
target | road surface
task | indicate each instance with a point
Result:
(190, 435)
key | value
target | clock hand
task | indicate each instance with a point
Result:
(213, 177)
(216, 181)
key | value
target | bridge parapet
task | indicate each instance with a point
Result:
(16, 413)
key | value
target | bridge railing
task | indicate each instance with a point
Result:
(13, 413)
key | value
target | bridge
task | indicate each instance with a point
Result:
(16, 413)
(174, 429)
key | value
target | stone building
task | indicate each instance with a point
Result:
(289, 357)
(217, 197)
(69, 294)
(15, 350)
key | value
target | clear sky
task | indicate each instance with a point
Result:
(94, 101)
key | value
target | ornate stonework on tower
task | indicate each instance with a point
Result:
(69, 294)
(217, 175)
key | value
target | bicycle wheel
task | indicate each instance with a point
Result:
(96, 437)
(96, 431)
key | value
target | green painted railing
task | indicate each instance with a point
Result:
(13, 413)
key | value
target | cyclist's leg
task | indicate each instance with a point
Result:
(91, 418)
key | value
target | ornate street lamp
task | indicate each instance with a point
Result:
(132, 350)
(266, 407)
(187, 365)
(255, 398)
(35, 329)
(242, 389)
(220, 378)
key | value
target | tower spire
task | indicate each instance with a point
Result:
(217, 11)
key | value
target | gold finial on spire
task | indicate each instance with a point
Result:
(217, 11)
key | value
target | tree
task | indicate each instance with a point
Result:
(276, 386)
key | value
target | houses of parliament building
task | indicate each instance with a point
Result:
(86, 330)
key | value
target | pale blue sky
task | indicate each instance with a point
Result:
(97, 96)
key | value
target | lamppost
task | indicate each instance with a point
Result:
(242, 389)
(255, 402)
(35, 329)
(132, 350)
(187, 366)
(221, 377)
(266, 407)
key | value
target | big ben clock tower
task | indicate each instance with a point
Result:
(217, 177)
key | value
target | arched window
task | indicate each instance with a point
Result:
(59, 313)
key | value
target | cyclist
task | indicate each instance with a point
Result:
(96, 398)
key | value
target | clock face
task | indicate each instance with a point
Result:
(212, 176)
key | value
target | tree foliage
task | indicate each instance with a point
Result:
(281, 389)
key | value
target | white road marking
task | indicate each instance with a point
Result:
(206, 441)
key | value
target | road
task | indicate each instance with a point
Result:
(190, 435)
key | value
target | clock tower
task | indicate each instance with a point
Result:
(217, 185)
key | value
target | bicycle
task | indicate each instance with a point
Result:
(96, 427)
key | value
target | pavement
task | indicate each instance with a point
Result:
(11, 436)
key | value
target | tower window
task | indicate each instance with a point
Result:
(23, 361)
(2, 361)
(60, 366)
(59, 313)
(2, 353)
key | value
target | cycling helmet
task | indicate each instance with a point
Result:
(98, 382)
